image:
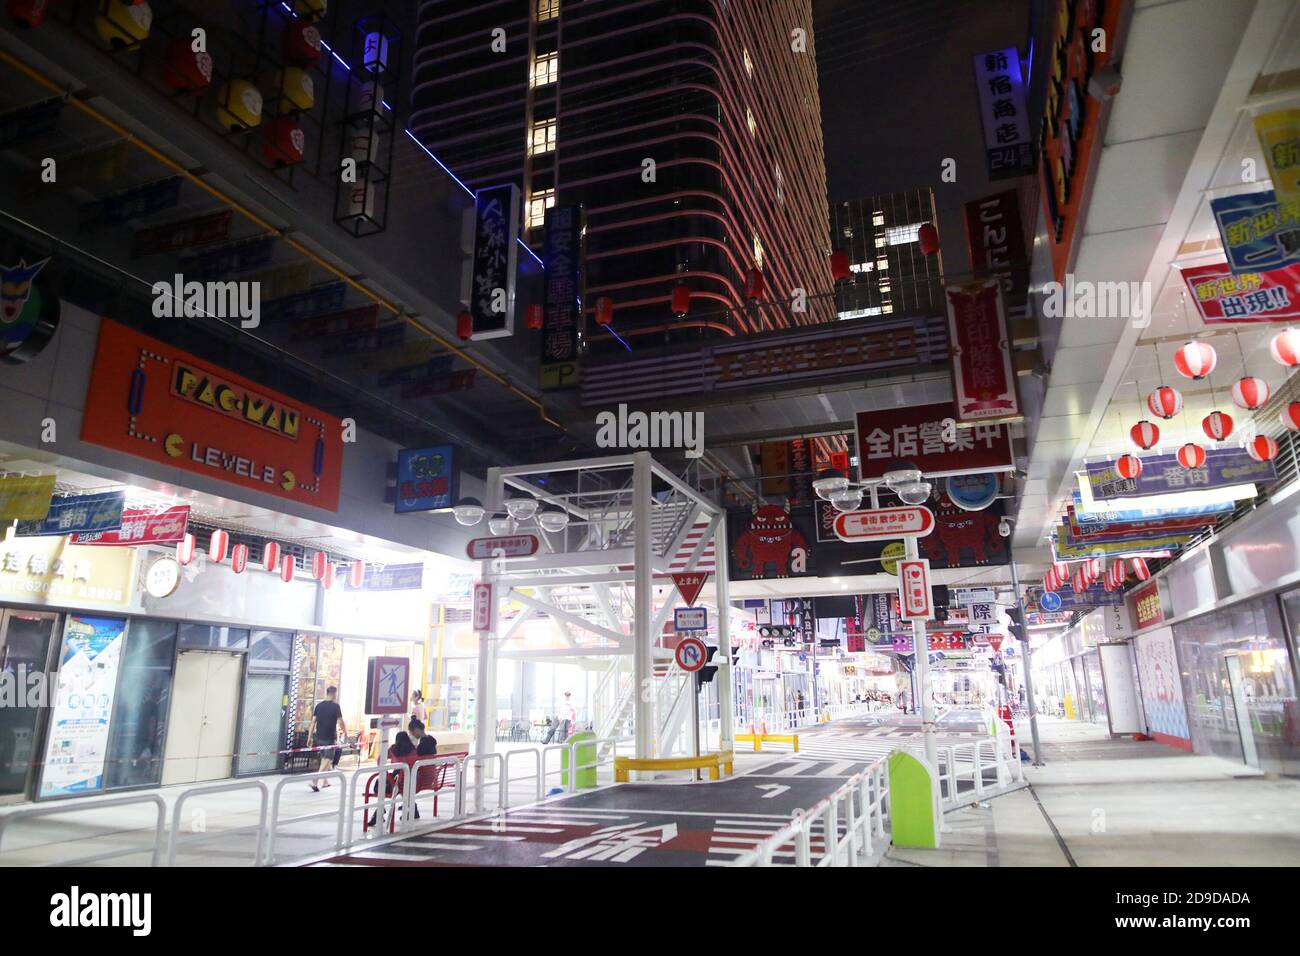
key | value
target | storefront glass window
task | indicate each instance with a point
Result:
(270, 650)
(139, 723)
(25, 638)
(1268, 681)
(205, 635)
(1096, 690)
(1211, 707)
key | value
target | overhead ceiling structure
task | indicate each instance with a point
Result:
(1179, 134)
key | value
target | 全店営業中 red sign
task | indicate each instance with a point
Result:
(926, 437)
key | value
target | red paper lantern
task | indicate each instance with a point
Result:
(1195, 360)
(754, 284)
(1121, 572)
(270, 556)
(1191, 455)
(681, 300)
(840, 264)
(319, 559)
(605, 310)
(239, 558)
(1250, 392)
(928, 237)
(464, 325)
(1128, 467)
(1094, 569)
(219, 545)
(302, 42)
(1145, 434)
(328, 579)
(287, 568)
(1217, 425)
(185, 549)
(283, 141)
(1165, 402)
(185, 70)
(1140, 569)
(1050, 581)
(27, 14)
(1080, 581)
(1291, 417)
(357, 574)
(1285, 348)
(536, 316)
(1262, 448)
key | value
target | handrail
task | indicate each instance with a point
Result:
(411, 783)
(381, 798)
(28, 813)
(536, 754)
(302, 778)
(258, 785)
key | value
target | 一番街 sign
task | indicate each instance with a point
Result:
(156, 402)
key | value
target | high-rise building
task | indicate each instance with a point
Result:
(889, 273)
(689, 130)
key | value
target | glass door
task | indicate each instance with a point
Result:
(25, 646)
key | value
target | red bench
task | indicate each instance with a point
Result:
(431, 778)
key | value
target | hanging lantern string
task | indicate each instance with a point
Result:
(1241, 353)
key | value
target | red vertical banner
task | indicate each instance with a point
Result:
(983, 377)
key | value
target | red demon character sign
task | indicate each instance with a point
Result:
(771, 545)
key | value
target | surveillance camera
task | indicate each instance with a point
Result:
(1004, 528)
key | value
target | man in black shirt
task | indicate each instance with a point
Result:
(326, 727)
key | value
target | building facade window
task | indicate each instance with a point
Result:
(758, 251)
(901, 235)
(538, 203)
(749, 64)
(750, 121)
(543, 137)
(546, 69)
(547, 10)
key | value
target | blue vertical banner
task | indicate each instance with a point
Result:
(426, 479)
(1259, 233)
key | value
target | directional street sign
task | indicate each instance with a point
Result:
(505, 546)
(884, 524)
(914, 584)
(691, 618)
(690, 654)
(689, 584)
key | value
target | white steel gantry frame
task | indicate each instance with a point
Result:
(630, 522)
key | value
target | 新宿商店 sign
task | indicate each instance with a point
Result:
(156, 402)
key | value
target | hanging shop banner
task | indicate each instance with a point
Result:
(71, 514)
(1067, 599)
(1066, 549)
(563, 251)
(1127, 530)
(1088, 519)
(983, 377)
(1161, 683)
(1047, 618)
(995, 236)
(1259, 234)
(390, 577)
(196, 231)
(1148, 605)
(26, 498)
(972, 492)
(938, 641)
(426, 479)
(142, 526)
(83, 704)
(49, 570)
(1279, 139)
(1163, 474)
(774, 460)
(1221, 296)
(761, 363)
(771, 541)
(492, 287)
(1008, 141)
(924, 437)
(156, 402)
(29, 310)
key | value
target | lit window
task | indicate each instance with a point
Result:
(547, 10)
(546, 68)
(780, 191)
(878, 219)
(901, 235)
(749, 64)
(758, 251)
(882, 264)
(538, 203)
(750, 121)
(862, 267)
(862, 313)
(543, 137)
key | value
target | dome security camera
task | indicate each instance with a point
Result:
(1004, 528)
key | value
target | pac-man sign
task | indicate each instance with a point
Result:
(156, 402)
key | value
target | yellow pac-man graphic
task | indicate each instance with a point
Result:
(288, 480)
(174, 445)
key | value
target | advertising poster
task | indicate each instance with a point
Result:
(1162, 688)
(1279, 139)
(1163, 474)
(25, 498)
(426, 479)
(83, 704)
(983, 377)
(142, 526)
(1223, 297)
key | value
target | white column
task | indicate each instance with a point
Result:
(921, 652)
(485, 691)
(722, 589)
(643, 601)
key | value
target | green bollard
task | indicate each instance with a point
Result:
(586, 754)
(912, 805)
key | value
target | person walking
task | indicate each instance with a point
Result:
(417, 706)
(327, 726)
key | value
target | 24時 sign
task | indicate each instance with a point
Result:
(156, 402)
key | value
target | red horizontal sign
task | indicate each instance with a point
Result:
(926, 437)
(142, 526)
(912, 521)
(505, 546)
